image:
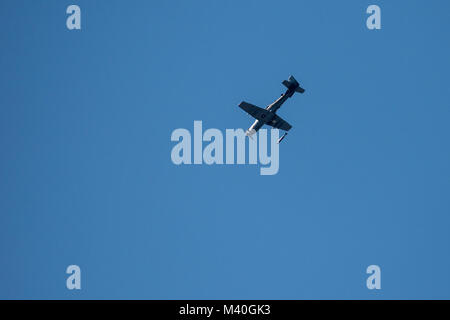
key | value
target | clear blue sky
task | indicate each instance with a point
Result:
(86, 176)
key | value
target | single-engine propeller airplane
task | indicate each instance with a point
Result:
(268, 115)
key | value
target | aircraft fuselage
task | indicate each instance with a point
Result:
(268, 115)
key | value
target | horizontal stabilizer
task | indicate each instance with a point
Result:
(293, 85)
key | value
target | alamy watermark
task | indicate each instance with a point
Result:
(374, 280)
(73, 281)
(236, 140)
(73, 21)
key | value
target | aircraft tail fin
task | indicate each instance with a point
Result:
(293, 85)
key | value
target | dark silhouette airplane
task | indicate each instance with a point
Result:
(268, 115)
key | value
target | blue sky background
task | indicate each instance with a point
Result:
(86, 176)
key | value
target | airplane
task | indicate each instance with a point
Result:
(268, 115)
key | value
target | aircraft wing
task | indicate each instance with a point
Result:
(254, 111)
(279, 123)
